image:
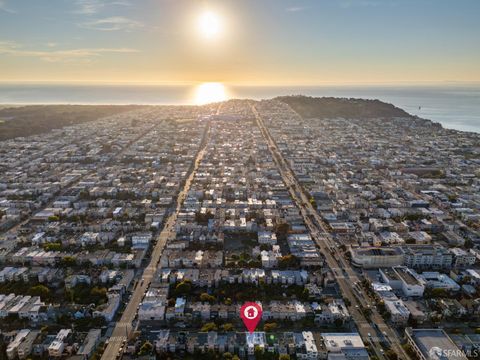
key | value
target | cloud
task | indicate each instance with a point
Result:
(68, 55)
(364, 3)
(90, 7)
(295, 8)
(4, 7)
(113, 23)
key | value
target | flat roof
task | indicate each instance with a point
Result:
(435, 343)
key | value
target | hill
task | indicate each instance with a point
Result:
(329, 107)
(36, 119)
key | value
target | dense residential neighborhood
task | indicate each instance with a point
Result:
(141, 234)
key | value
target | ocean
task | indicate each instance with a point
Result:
(454, 106)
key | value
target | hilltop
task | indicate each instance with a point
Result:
(37, 119)
(330, 107)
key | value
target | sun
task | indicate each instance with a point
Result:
(209, 93)
(209, 24)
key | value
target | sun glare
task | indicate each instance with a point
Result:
(209, 24)
(210, 92)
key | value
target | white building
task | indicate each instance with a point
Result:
(403, 279)
(398, 311)
(437, 280)
(345, 345)
(56, 347)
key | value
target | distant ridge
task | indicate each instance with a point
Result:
(348, 108)
(36, 119)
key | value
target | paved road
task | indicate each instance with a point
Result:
(124, 326)
(333, 257)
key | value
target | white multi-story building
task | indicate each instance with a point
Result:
(462, 258)
(403, 279)
(56, 347)
(427, 257)
(398, 311)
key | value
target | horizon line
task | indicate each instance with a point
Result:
(237, 84)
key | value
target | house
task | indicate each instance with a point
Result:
(12, 348)
(398, 311)
(56, 347)
(462, 258)
(89, 344)
(141, 241)
(108, 310)
(25, 347)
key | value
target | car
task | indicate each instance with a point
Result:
(369, 335)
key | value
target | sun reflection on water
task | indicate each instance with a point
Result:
(210, 92)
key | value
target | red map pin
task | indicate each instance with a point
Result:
(251, 313)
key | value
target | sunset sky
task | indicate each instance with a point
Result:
(243, 41)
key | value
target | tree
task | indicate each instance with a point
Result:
(270, 326)
(146, 348)
(438, 293)
(183, 288)
(98, 294)
(68, 261)
(288, 261)
(258, 352)
(227, 327)
(211, 326)
(282, 229)
(284, 357)
(305, 294)
(40, 290)
(391, 355)
(204, 297)
(52, 246)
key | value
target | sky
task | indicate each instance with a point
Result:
(258, 42)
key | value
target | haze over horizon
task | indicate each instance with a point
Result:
(282, 42)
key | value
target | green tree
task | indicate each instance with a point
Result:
(183, 288)
(270, 326)
(227, 327)
(211, 326)
(391, 355)
(288, 261)
(52, 246)
(68, 261)
(40, 290)
(204, 297)
(284, 357)
(146, 348)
